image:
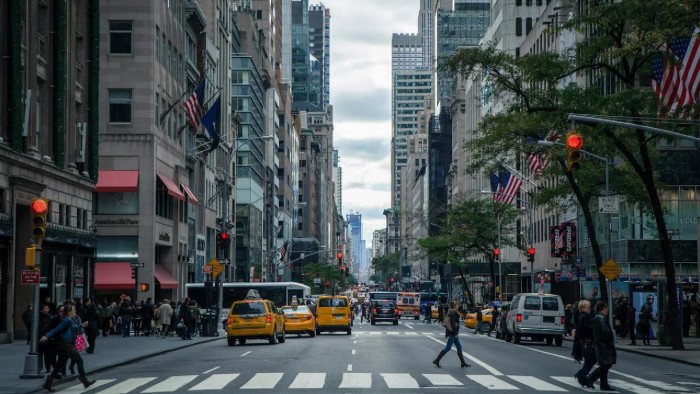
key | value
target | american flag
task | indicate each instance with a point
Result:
(687, 50)
(510, 184)
(496, 188)
(537, 162)
(193, 105)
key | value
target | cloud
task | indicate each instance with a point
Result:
(364, 105)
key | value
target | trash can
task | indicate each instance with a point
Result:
(209, 323)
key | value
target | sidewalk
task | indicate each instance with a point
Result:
(109, 352)
(691, 354)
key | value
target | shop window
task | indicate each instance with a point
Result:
(164, 202)
(124, 203)
(120, 37)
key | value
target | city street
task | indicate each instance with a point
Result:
(381, 358)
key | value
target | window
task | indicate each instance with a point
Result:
(119, 105)
(158, 55)
(300, 226)
(518, 27)
(528, 25)
(120, 37)
(532, 303)
(550, 304)
(157, 116)
(302, 163)
(164, 202)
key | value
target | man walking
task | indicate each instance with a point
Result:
(479, 320)
(147, 316)
(125, 313)
(605, 352)
(494, 320)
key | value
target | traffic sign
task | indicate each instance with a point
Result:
(609, 204)
(610, 269)
(224, 261)
(30, 277)
(317, 281)
(137, 265)
(216, 267)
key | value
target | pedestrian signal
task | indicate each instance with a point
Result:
(144, 287)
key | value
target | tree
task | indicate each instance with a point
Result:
(621, 39)
(385, 266)
(328, 273)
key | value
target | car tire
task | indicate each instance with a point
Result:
(231, 341)
(349, 331)
(396, 322)
(549, 340)
(273, 339)
(559, 340)
(416, 318)
(318, 332)
(312, 334)
(516, 338)
(485, 326)
(241, 341)
(282, 338)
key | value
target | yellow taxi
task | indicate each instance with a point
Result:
(254, 318)
(299, 319)
(333, 314)
(486, 319)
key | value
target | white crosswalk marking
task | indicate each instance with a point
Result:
(309, 381)
(571, 382)
(393, 333)
(78, 388)
(442, 379)
(635, 388)
(399, 381)
(411, 333)
(491, 382)
(127, 386)
(653, 383)
(263, 381)
(376, 333)
(356, 381)
(215, 382)
(537, 384)
(172, 383)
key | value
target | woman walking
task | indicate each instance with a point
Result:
(584, 334)
(452, 333)
(65, 334)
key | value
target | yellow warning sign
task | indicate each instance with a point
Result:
(216, 267)
(610, 269)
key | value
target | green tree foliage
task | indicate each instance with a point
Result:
(385, 267)
(620, 40)
(328, 273)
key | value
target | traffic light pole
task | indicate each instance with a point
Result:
(32, 361)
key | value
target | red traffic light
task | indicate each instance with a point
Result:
(224, 236)
(496, 252)
(574, 141)
(531, 251)
(340, 255)
(39, 206)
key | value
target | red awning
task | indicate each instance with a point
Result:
(113, 276)
(173, 190)
(190, 195)
(166, 280)
(117, 181)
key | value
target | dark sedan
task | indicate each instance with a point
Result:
(384, 310)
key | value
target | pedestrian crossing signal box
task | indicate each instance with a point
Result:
(144, 287)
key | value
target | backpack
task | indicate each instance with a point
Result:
(447, 323)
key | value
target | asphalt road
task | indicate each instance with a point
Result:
(382, 359)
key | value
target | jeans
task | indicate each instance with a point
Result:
(589, 360)
(126, 326)
(67, 351)
(478, 327)
(453, 339)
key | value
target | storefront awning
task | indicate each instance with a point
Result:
(112, 181)
(173, 190)
(190, 195)
(164, 278)
(113, 276)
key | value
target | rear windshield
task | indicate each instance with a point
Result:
(248, 308)
(550, 304)
(328, 302)
(288, 310)
(533, 303)
(385, 304)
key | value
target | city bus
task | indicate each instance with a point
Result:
(280, 293)
(408, 304)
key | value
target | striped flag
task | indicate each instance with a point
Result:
(510, 184)
(538, 161)
(193, 105)
(496, 188)
(687, 50)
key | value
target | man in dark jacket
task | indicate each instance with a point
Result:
(147, 316)
(126, 311)
(45, 354)
(605, 352)
(92, 317)
(186, 318)
(27, 320)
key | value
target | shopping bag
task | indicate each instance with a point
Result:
(81, 342)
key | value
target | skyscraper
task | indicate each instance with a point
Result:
(319, 48)
(354, 221)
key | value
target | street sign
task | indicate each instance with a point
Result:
(216, 267)
(610, 269)
(224, 261)
(207, 269)
(609, 204)
(30, 277)
(317, 281)
(137, 265)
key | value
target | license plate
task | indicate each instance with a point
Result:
(548, 319)
(338, 317)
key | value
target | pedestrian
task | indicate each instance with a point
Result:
(584, 336)
(631, 317)
(147, 316)
(185, 317)
(196, 318)
(126, 312)
(646, 316)
(569, 323)
(494, 320)
(51, 347)
(27, 320)
(428, 313)
(42, 348)
(452, 335)
(686, 318)
(65, 334)
(79, 322)
(441, 313)
(164, 314)
(622, 315)
(604, 340)
(92, 317)
(106, 319)
(364, 311)
(479, 320)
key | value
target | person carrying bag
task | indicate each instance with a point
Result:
(451, 324)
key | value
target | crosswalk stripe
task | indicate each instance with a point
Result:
(263, 381)
(376, 333)
(172, 383)
(393, 333)
(309, 381)
(537, 384)
(78, 388)
(653, 383)
(215, 382)
(399, 381)
(635, 388)
(411, 333)
(571, 382)
(127, 386)
(442, 379)
(491, 382)
(356, 381)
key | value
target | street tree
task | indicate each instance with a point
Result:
(386, 266)
(621, 41)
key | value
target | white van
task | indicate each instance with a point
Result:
(536, 316)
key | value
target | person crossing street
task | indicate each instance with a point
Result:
(452, 335)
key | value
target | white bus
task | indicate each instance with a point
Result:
(280, 293)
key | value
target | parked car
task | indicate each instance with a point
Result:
(486, 319)
(537, 317)
(384, 310)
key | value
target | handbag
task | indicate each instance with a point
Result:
(447, 323)
(81, 342)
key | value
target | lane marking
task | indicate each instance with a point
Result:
(409, 326)
(411, 333)
(170, 384)
(127, 386)
(654, 383)
(354, 342)
(356, 380)
(309, 381)
(482, 364)
(78, 388)
(616, 383)
(246, 353)
(211, 370)
(263, 380)
(215, 382)
(393, 333)
(349, 367)
(442, 379)
(400, 381)
(537, 384)
(353, 351)
(492, 382)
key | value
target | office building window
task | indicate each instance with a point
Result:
(120, 105)
(120, 37)
(164, 202)
(518, 27)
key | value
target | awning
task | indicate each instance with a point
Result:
(173, 190)
(190, 195)
(113, 276)
(117, 181)
(166, 280)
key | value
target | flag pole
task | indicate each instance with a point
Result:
(516, 172)
(187, 92)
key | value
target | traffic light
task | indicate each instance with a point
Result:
(39, 208)
(222, 239)
(347, 271)
(574, 143)
(496, 253)
(133, 273)
(531, 255)
(30, 257)
(340, 260)
(144, 287)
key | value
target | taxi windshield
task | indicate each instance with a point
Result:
(337, 302)
(288, 310)
(248, 308)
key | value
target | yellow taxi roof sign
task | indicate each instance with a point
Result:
(252, 295)
(295, 301)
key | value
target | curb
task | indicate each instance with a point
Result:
(659, 356)
(40, 389)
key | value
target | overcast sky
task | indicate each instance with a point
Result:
(361, 97)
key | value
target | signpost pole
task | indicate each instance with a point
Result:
(32, 370)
